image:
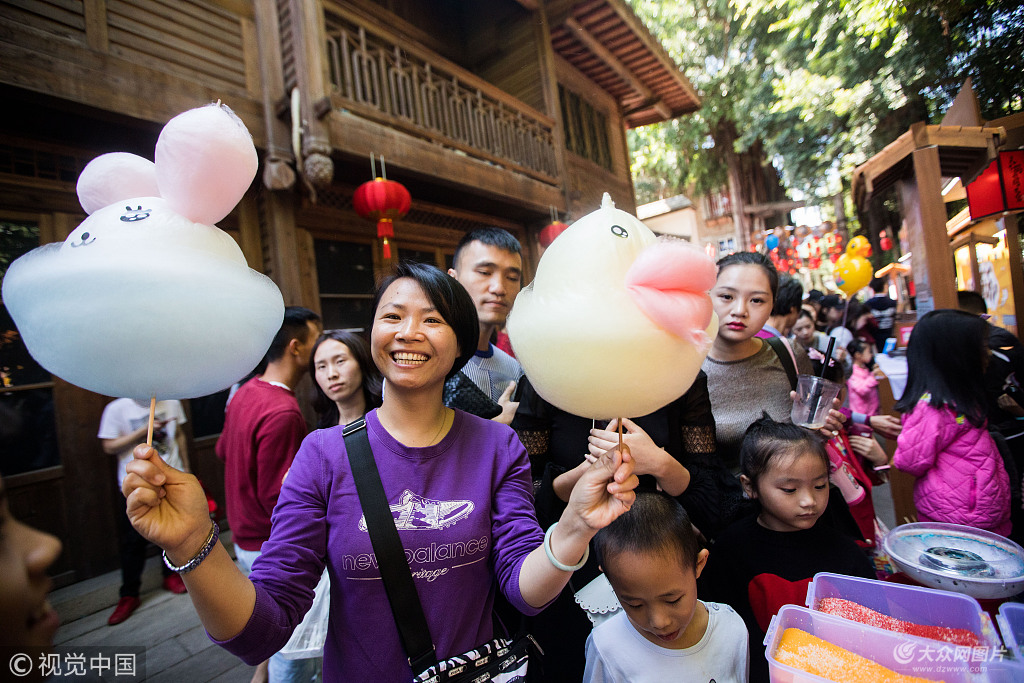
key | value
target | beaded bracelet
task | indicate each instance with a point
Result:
(211, 541)
(554, 560)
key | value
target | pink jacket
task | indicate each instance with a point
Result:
(863, 387)
(960, 474)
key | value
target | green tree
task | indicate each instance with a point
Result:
(818, 88)
(729, 64)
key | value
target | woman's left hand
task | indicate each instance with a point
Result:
(833, 422)
(605, 490)
(646, 455)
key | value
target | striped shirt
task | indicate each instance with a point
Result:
(492, 370)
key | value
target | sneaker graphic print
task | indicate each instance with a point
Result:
(416, 513)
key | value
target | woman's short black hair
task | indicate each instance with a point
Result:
(326, 409)
(767, 439)
(790, 295)
(655, 523)
(945, 358)
(753, 258)
(451, 300)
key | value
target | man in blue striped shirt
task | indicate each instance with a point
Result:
(488, 263)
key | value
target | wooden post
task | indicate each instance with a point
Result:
(95, 14)
(280, 238)
(1010, 224)
(972, 254)
(925, 214)
(309, 38)
(249, 232)
(272, 78)
(552, 107)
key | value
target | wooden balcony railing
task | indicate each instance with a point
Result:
(424, 95)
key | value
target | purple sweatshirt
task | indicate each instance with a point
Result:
(464, 511)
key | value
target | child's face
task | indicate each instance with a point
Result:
(659, 595)
(26, 618)
(793, 491)
(864, 357)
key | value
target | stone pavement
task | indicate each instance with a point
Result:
(177, 647)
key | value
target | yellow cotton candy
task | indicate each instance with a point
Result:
(803, 651)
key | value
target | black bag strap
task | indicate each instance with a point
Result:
(785, 357)
(387, 546)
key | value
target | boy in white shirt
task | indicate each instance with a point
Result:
(663, 632)
(124, 425)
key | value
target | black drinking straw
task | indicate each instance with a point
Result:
(828, 356)
(816, 392)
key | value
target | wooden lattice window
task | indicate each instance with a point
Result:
(586, 129)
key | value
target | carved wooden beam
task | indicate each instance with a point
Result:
(620, 69)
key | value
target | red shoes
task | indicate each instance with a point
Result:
(174, 584)
(124, 609)
(129, 603)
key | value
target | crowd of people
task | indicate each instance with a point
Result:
(713, 512)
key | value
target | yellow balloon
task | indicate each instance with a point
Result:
(852, 273)
(859, 246)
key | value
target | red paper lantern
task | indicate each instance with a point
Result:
(383, 201)
(999, 188)
(550, 232)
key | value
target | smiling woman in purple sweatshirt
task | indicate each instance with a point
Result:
(459, 488)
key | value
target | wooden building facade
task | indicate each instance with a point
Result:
(490, 113)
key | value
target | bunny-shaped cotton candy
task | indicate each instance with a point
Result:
(616, 322)
(146, 297)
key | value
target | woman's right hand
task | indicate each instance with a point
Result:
(166, 506)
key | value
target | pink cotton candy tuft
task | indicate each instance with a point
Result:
(669, 282)
(205, 161)
(113, 178)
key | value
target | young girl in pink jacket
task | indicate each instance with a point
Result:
(863, 382)
(960, 474)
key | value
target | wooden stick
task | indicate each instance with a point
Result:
(620, 435)
(152, 416)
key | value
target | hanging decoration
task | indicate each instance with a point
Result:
(551, 230)
(382, 200)
(884, 241)
(999, 188)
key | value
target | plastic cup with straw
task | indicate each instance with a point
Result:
(817, 388)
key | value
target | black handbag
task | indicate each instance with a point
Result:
(501, 660)
(462, 393)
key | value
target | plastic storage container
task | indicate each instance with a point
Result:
(895, 651)
(1011, 625)
(925, 606)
